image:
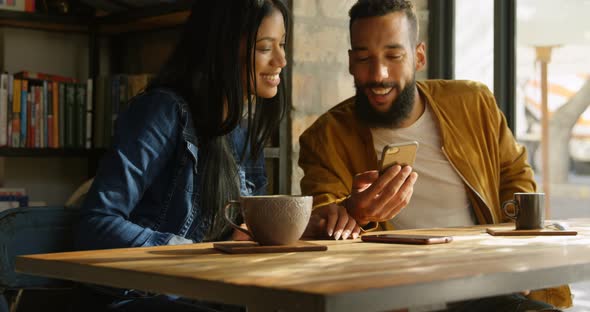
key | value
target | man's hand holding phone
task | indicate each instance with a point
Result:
(374, 198)
(377, 198)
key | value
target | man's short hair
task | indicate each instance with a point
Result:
(372, 8)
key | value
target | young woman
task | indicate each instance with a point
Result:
(188, 144)
(194, 139)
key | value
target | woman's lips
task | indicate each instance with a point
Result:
(271, 79)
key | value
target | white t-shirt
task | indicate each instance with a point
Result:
(439, 198)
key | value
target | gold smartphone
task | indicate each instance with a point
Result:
(403, 154)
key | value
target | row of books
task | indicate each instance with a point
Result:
(45, 111)
(13, 198)
(18, 5)
(48, 111)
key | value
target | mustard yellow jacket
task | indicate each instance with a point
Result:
(475, 139)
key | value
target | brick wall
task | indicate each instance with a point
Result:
(320, 64)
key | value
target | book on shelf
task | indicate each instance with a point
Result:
(3, 109)
(14, 140)
(9, 110)
(48, 102)
(24, 104)
(18, 5)
(80, 111)
(31, 119)
(56, 115)
(70, 114)
(13, 198)
(24, 74)
(61, 115)
(89, 112)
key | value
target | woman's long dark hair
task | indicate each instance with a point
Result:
(206, 68)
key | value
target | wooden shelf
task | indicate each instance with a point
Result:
(149, 18)
(143, 19)
(43, 22)
(50, 152)
(144, 24)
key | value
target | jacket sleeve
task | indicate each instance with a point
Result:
(516, 175)
(144, 142)
(326, 175)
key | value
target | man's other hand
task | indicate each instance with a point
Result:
(331, 221)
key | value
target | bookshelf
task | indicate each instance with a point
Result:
(146, 19)
(156, 17)
(117, 30)
(43, 22)
(51, 152)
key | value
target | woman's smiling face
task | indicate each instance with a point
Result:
(269, 55)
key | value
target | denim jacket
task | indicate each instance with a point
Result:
(147, 188)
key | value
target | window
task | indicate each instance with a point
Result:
(565, 27)
(474, 41)
(556, 36)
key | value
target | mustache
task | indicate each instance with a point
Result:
(383, 84)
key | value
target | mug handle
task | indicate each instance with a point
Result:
(508, 203)
(231, 223)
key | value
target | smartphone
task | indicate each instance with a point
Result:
(407, 239)
(403, 154)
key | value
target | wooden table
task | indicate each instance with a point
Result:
(350, 276)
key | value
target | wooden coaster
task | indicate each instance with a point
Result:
(253, 247)
(545, 232)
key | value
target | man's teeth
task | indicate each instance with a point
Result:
(381, 91)
(270, 77)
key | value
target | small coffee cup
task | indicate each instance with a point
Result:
(274, 219)
(529, 210)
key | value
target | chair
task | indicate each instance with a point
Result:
(31, 230)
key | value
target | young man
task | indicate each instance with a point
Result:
(468, 161)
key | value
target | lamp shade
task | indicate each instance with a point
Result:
(553, 23)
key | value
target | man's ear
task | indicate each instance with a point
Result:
(350, 61)
(420, 56)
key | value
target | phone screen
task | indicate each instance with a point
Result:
(407, 239)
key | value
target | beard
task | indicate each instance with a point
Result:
(400, 109)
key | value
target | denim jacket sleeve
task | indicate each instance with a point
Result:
(144, 142)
